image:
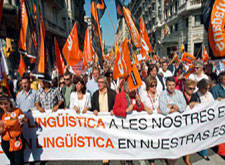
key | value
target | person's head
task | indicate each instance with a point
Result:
(126, 87)
(102, 82)
(222, 78)
(203, 86)
(54, 82)
(67, 78)
(95, 73)
(165, 65)
(198, 67)
(109, 76)
(151, 84)
(25, 83)
(61, 81)
(6, 104)
(152, 70)
(179, 71)
(208, 68)
(189, 86)
(170, 84)
(80, 86)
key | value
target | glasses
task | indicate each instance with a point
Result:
(61, 83)
(67, 79)
(191, 88)
(153, 85)
(197, 67)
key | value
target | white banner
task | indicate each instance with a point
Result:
(65, 135)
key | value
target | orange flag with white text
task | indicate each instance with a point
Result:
(134, 79)
(59, 60)
(22, 66)
(133, 29)
(145, 43)
(122, 65)
(186, 57)
(42, 59)
(88, 51)
(205, 56)
(71, 48)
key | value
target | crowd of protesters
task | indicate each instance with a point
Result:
(165, 90)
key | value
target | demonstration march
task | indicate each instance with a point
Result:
(76, 88)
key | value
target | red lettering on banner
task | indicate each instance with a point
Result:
(80, 139)
(100, 123)
(102, 145)
(88, 122)
(109, 143)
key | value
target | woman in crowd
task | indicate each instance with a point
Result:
(11, 131)
(127, 101)
(189, 88)
(151, 98)
(80, 100)
(203, 96)
(179, 78)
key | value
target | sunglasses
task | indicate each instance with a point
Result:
(153, 85)
(191, 89)
(68, 79)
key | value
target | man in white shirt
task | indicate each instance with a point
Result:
(199, 73)
(92, 84)
(164, 71)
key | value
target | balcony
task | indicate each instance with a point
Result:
(188, 6)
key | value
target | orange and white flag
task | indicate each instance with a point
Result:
(71, 48)
(122, 65)
(134, 79)
(59, 59)
(145, 43)
(22, 66)
(186, 57)
(88, 51)
(133, 29)
(205, 56)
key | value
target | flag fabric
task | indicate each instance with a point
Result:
(134, 79)
(1, 8)
(216, 33)
(59, 59)
(186, 57)
(145, 43)
(132, 27)
(97, 11)
(205, 56)
(22, 45)
(22, 66)
(71, 48)
(206, 12)
(119, 9)
(88, 51)
(122, 65)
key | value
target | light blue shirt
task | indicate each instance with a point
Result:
(92, 86)
(177, 98)
(26, 101)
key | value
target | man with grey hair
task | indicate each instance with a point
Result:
(103, 99)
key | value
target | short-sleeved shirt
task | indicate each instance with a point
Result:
(26, 101)
(11, 124)
(50, 99)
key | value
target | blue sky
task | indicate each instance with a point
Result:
(107, 29)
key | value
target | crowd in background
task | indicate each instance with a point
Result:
(166, 88)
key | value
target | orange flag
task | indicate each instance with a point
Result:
(59, 60)
(23, 29)
(88, 51)
(71, 48)
(216, 33)
(41, 62)
(1, 8)
(122, 66)
(187, 58)
(22, 66)
(145, 43)
(134, 79)
(133, 29)
(205, 56)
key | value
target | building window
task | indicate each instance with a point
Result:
(187, 22)
(197, 20)
(176, 27)
(176, 6)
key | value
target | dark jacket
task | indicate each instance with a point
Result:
(63, 91)
(161, 80)
(218, 91)
(95, 100)
(195, 98)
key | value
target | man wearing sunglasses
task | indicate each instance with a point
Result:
(199, 73)
(67, 89)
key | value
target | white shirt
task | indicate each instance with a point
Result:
(165, 74)
(159, 88)
(81, 104)
(149, 102)
(207, 98)
(196, 78)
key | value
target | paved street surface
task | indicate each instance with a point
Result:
(195, 159)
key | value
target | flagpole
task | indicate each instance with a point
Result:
(114, 29)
